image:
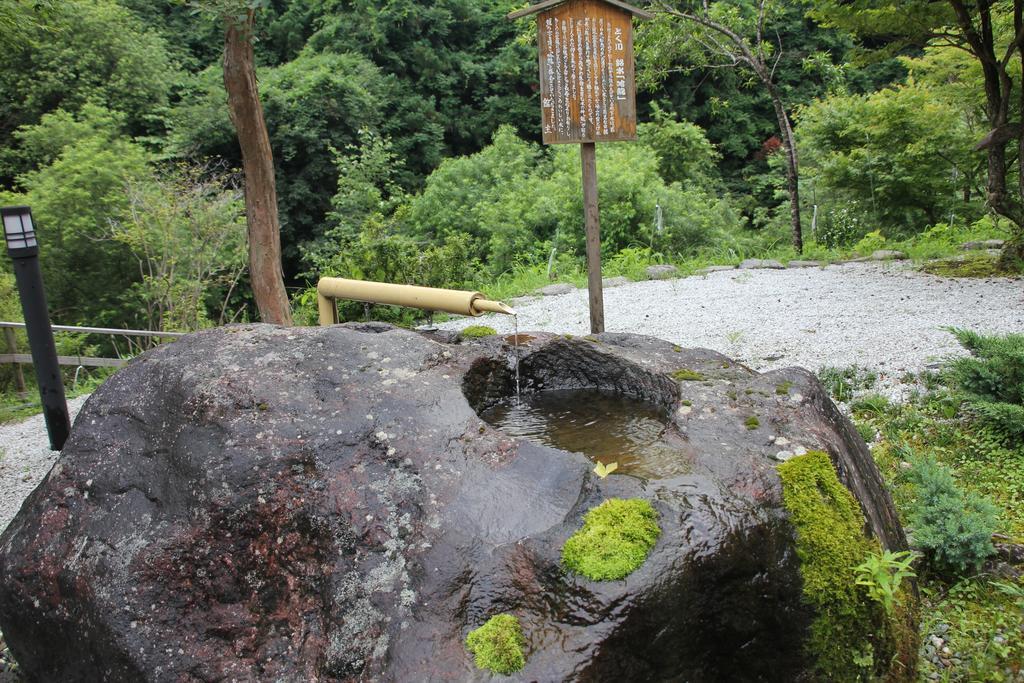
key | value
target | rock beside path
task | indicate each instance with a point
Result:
(556, 289)
(325, 504)
(887, 255)
(982, 244)
(662, 272)
(803, 264)
(756, 263)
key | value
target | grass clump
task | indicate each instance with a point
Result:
(782, 388)
(843, 382)
(477, 331)
(752, 422)
(687, 375)
(614, 540)
(498, 645)
(851, 636)
(967, 265)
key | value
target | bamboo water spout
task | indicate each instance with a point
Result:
(427, 298)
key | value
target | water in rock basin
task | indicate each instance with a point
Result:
(605, 427)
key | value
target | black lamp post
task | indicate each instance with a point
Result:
(20, 234)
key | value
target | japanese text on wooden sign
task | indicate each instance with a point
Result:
(587, 86)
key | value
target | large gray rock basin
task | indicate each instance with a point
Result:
(255, 503)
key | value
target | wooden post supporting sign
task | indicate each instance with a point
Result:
(588, 95)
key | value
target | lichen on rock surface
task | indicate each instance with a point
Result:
(326, 504)
(614, 540)
(498, 645)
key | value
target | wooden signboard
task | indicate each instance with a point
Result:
(588, 95)
(587, 86)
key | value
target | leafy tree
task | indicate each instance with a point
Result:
(993, 34)
(185, 230)
(684, 152)
(901, 153)
(367, 192)
(317, 103)
(728, 34)
(460, 54)
(86, 51)
(73, 197)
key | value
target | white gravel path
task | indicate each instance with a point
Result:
(25, 458)
(882, 316)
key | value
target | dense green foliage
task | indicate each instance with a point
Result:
(898, 159)
(851, 636)
(614, 540)
(386, 122)
(942, 463)
(992, 381)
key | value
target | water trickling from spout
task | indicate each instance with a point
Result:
(515, 344)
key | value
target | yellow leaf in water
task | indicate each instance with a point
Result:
(603, 470)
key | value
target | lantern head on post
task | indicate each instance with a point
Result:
(19, 231)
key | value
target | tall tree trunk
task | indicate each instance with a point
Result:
(1013, 251)
(261, 216)
(792, 169)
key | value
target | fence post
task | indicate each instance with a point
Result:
(12, 348)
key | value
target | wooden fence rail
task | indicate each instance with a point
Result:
(16, 359)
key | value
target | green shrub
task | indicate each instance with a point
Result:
(952, 527)
(869, 243)
(498, 645)
(614, 540)
(752, 422)
(992, 380)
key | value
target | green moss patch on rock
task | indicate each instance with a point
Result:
(752, 422)
(477, 331)
(687, 375)
(851, 637)
(614, 540)
(498, 645)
